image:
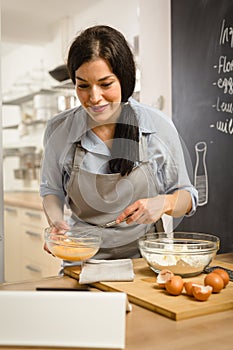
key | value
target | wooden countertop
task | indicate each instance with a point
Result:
(30, 200)
(147, 330)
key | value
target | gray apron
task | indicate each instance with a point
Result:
(96, 199)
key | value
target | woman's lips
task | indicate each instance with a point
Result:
(98, 109)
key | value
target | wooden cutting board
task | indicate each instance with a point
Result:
(144, 292)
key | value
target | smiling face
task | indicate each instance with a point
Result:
(99, 91)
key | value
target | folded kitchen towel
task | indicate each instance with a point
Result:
(106, 270)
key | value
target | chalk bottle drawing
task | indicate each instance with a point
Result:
(200, 173)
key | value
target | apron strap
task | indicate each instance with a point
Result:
(143, 150)
(78, 155)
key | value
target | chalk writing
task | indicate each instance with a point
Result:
(225, 126)
(222, 106)
(224, 65)
(226, 84)
(226, 34)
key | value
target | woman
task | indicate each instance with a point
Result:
(112, 157)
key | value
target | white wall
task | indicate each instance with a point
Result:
(1, 196)
(153, 28)
(155, 60)
(121, 14)
(17, 67)
(155, 52)
(26, 58)
(150, 19)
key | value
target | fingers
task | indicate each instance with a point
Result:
(131, 213)
(143, 211)
(60, 227)
(126, 215)
(47, 249)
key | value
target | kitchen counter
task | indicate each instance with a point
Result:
(30, 200)
(146, 330)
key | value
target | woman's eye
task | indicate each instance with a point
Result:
(83, 86)
(105, 85)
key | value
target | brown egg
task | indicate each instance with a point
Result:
(188, 286)
(175, 285)
(163, 277)
(215, 281)
(200, 292)
(224, 275)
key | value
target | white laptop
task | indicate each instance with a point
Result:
(63, 319)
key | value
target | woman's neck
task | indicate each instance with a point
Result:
(105, 133)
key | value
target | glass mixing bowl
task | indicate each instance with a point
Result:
(75, 244)
(184, 253)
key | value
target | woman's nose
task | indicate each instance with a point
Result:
(95, 94)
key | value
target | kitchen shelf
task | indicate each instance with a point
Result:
(22, 99)
(19, 151)
(28, 123)
(15, 126)
(65, 85)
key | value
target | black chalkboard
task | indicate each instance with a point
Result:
(202, 103)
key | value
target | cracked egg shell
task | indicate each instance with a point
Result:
(201, 292)
(188, 286)
(163, 277)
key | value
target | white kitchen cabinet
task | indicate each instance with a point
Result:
(25, 258)
(12, 244)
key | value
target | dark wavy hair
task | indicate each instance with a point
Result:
(105, 42)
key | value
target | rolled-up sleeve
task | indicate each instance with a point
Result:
(51, 179)
(52, 165)
(171, 163)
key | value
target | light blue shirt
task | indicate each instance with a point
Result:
(165, 151)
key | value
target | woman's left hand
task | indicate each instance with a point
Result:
(145, 211)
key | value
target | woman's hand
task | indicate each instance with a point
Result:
(149, 210)
(144, 211)
(47, 249)
(58, 227)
